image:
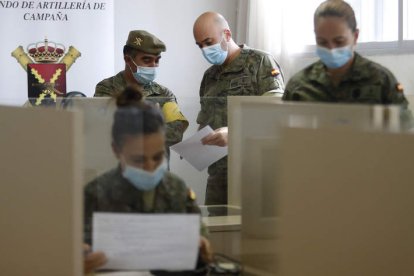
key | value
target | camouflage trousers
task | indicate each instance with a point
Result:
(216, 191)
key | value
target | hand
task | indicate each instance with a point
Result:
(206, 253)
(217, 138)
(92, 260)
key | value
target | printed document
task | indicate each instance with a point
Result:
(147, 241)
(198, 155)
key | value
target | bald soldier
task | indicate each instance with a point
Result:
(142, 54)
(235, 71)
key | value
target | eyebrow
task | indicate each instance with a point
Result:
(205, 40)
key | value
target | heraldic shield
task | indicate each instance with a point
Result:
(46, 82)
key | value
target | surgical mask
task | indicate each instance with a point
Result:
(144, 75)
(336, 57)
(214, 54)
(143, 180)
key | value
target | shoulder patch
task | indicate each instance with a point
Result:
(275, 72)
(400, 87)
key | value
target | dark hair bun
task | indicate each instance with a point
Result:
(132, 95)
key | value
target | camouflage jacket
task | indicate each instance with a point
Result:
(176, 123)
(111, 192)
(251, 73)
(366, 82)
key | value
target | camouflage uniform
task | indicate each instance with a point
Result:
(111, 192)
(366, 82)
(176, 123)
(251, 73)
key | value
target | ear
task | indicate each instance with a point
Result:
(356, 36)
(227, 34)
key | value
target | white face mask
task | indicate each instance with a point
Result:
(335, 58)
(144, 75)
(214, 54)
(143, 180)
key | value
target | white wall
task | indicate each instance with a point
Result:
(182, 65)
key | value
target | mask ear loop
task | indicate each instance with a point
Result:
(132, 71)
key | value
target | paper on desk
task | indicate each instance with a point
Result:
(199, 155)
(147, 241)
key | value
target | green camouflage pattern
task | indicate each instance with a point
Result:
(153, 92)
(367, 82)
(251, 73)
(111, 192)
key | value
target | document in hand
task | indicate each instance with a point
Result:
(198, 155)
(147, 241)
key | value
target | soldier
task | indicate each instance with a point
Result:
(236, 71)
(140, 183)
(142, 54)
(341, 74)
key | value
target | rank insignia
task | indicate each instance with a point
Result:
(138, 41)
(191, 194)
(275, 72)
(399, 87)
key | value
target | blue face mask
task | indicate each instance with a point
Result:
(214, 54)
(144, 75)
(336, 57)
(143, 180)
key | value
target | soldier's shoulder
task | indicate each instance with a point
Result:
(103, 180)
(304, 74)
(258, 53)
(161, 89)
(212, 71)
(110, 85)
(174, 182)
(373, 68)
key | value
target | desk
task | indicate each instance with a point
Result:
(224, 224)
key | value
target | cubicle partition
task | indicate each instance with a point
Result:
(40, 192)
(347, 203)
(255, 127)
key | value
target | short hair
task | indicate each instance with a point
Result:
(337, 8)
(129, 51)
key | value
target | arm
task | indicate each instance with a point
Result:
(394, 94)
(89, 207)
(206, 252)
(176, 123)
(270, 77)
(102, 89)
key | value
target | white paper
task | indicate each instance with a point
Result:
(199, 155)
(147, 241)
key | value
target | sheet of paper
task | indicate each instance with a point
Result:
(147, 241)
(199, 155)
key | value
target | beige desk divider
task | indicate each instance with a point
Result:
(40, 192)
(255, 126)
(347, 203)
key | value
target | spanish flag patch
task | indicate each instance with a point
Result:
(275, 72)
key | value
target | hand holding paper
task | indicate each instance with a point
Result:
(199, 155)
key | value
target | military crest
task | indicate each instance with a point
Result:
(46, 64)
